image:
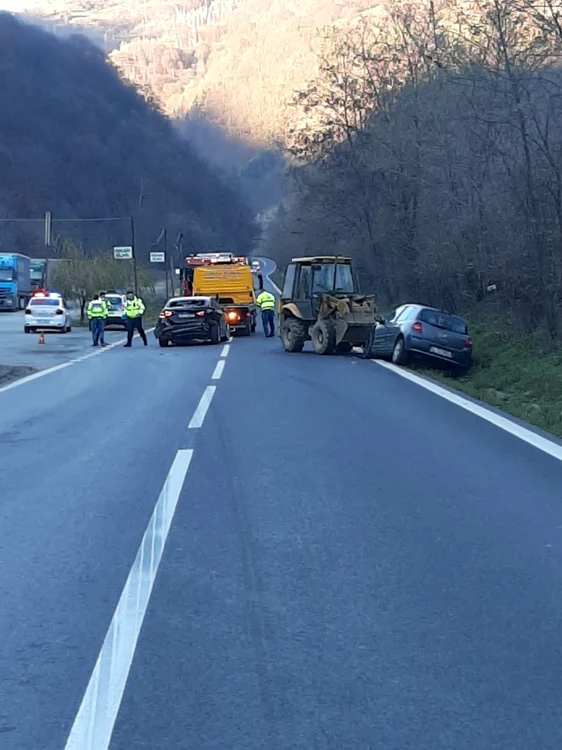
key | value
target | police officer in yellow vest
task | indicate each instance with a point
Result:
(134, 309)
(97, 313)
(266, 303)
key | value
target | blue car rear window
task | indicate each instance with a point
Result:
(442, 320)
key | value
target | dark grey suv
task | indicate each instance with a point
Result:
(425, 332)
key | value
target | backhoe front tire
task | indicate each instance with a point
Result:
(369, 347)
(323, 336)
(344, 347)
(293, 335)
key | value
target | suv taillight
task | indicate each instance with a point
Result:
(417, 327)
(468, 343)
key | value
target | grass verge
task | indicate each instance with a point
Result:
(517, 373)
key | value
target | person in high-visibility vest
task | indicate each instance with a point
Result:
(134, 309)
(266, 303)
(97, 314)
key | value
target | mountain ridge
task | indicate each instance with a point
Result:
(81, 142)
(238, 61)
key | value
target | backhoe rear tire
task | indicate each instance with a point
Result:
(323, 336)
(293, 335)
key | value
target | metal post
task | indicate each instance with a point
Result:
(168, 295)
(48, 221)
(134, 256)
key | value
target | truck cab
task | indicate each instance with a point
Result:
(15, 281)
(38, 274)
(230, 280)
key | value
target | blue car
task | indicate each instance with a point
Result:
(416, 331)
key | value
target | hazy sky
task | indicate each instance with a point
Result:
(14, 5)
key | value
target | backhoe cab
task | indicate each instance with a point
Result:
(321, 302)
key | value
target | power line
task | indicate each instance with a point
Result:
(100, 218)
(67, 221)
(18, 221)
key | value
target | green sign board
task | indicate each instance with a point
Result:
(123, 253)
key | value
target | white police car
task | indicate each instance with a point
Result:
(47, 311)
(116, 314)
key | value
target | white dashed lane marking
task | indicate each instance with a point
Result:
(203, 406)
(218, 370)
(93, 726)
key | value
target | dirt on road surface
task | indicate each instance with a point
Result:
(21, 352)
(9, 374)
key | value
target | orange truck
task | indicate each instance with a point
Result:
(231, 281)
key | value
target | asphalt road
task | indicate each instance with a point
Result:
(19, 349)
(353, 562)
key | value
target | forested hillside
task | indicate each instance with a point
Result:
(239, 60)
(432, 153)
(427, 135)
(79, 141)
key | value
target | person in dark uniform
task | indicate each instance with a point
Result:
(134, 310)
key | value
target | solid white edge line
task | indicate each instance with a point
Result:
(36, 375)
(225, 350)
(49, 370)
(93, 726)
(104, 349)
(202, 407)
(528, 436)
(218, 370)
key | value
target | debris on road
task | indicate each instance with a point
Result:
(10, 373)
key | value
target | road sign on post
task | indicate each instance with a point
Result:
(123, 253)
(157, 257)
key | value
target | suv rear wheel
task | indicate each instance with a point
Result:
(215, 334)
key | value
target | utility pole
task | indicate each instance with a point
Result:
(134, 256)
(179, 253)
(48, 220)
(48, 240)
(168, 295)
